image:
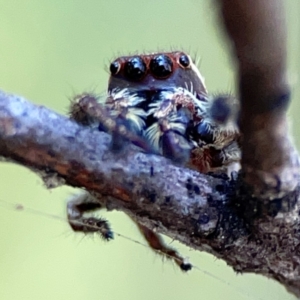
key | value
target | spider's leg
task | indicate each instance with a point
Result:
(123, 125)
(157, 243)
(217, 136)
(81, 204)
(78, 113)
(209, 159)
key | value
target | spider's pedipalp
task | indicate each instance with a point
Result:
(175, 146)
(169, 136)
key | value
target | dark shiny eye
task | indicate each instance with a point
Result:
(114, 67)
(184, 60)
(135, 68)
(205, 133)
(161, 66)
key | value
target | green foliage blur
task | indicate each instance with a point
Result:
(51, 50)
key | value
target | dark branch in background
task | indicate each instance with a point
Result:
(251, 220)
(258, 31)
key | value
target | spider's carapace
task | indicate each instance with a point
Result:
(162, 97)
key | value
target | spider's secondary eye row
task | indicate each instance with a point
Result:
(184, 60)
(161, 66)
(114, 67)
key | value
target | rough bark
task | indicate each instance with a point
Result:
(250, 220)
(215, 214)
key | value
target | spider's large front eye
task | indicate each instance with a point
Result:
(135, 68)
(161, 66)
(205, 133)
(114, 67)
(184, 60)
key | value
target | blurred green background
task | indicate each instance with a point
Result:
(50, 50)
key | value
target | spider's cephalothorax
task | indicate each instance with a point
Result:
(162, 98)
(160, 103)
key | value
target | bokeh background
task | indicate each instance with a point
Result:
(50, 50)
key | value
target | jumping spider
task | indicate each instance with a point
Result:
(160, 103)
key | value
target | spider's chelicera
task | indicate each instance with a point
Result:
(159, 102)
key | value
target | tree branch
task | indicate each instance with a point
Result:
(201, 211)
(251, 220)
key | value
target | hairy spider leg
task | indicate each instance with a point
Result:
(157, 243)
(87, 110)
(81, 204)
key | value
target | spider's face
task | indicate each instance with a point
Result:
(154, 72)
